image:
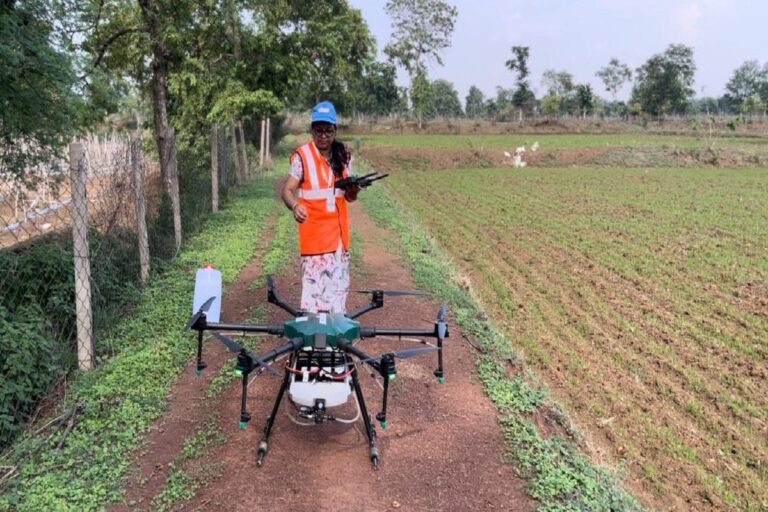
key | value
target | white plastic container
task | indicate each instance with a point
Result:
(207, 285)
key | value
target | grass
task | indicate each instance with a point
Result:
(188, 471)
(121, 398)
(561, 478)
(638, 292)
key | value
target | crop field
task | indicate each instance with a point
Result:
(559, 141)
(640, 296)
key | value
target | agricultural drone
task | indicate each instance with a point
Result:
(323, 357)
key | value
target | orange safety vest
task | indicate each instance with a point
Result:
(327, 220)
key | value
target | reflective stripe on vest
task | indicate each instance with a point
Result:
(319, 194)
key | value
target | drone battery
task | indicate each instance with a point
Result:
(311, 384)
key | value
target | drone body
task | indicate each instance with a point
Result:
(321, 371)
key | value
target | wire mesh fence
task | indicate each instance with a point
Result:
(42, 226)
(76, 236)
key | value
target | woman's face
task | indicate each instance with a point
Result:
(323, 134)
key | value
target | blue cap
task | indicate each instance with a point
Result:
(324, 112)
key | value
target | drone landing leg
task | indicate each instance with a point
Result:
(200, 364)
(369, 428)
(387, 371)
(263, 446)
(439, 373)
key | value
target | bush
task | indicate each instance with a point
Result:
(30, 363)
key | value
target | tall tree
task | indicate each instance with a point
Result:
(559, 84)
(445, 100)
(475, 103)
(523, 97)
(614, 76)
(40, 109)
(311, 50)
(376, 91)
(421, 30)
(746, 85)
(421, 95)
(585, 99)
(664, 84)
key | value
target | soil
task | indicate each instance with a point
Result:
(442, 449)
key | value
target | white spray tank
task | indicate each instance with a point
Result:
(207, 285)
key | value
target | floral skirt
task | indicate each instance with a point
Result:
(325, 282)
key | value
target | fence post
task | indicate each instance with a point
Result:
(268, 138)
(214, 168)
(222, 149)
(83, 310)
(238, 173)
(261, 144)
(141, 208)
(246, 167)
(173, 178)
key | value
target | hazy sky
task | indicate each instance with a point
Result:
(581, 36)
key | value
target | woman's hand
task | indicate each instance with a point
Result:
(299, 213)
(350, 193)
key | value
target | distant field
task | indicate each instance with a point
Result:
(554, 142)
(640, 296)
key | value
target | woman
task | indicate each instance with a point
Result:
(320, 210)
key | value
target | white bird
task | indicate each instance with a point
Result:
(535, 146)
(506, 154)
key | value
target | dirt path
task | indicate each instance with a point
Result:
(442, 449)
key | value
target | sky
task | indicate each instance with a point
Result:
(581, 36)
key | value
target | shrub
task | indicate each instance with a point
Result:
(29, 364)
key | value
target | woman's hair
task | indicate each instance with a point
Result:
(339, 157)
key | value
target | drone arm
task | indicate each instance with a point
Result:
(377, 301)
(370, 332)
(366, 358)
(276, 330)
(274, 298)
(266, 357)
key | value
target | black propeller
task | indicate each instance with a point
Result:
(402, 354)
(394, 293)
(234, 346)
(203, 309)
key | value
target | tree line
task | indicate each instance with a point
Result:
(182, 64)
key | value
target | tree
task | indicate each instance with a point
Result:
(585, 99)
(421, 95)
(502, 105)
(559, 84)
(614, 76)
(523, 97)
(474, 106)
(664, 84)
(422, 29)
(445, 100)
(746, 85)
(550, 104)
(377, 92)
(311, 50)
(40, 109)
